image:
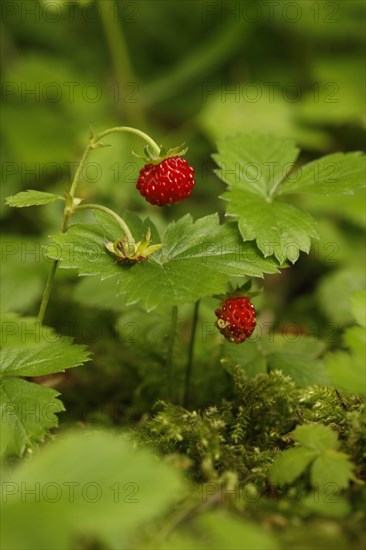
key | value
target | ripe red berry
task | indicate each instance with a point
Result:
(169, 181)
(236, 319)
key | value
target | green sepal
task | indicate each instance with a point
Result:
(127, 252)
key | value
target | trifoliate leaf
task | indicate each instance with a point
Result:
(318, 450)
(339, 173)
(259, 170)
(27, 411)
(290, 464)
(316, 437)
(197, 259)
(83, 493)
(31, 197)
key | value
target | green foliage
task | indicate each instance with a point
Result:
(319, 451)
(254, 167)
(29, 410)
(31, 198)
(257, 170)
(197, 259)
(82, 494)
(244, 434)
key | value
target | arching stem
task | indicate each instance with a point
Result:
(127, 129)
(123, 225)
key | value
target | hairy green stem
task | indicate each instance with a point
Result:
(188, 377)
(169, 355)
(123, 225)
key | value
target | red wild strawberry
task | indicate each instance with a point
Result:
(169, 181)
(236, 319)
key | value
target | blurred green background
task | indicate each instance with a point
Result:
(183, 71)
(187, 71)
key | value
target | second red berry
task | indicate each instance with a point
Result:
(236, 319)
(170, 181)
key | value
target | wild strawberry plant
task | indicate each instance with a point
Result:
(288, 397)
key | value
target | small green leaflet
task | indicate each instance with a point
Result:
(279, 228)
(29, 410)
(290, 464)
(31, 197)
(316, 437)
(332, 467)
(260, 171)
(255, 163)
(339, 173)
(318, 450)
(197, 259)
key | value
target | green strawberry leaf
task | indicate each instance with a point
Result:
(339, 173)
(259, 171)
(109, 497)
(197, 259)
(28, 411)
(31, 197)
(254, 167)
(30, 349)
(41, 359)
